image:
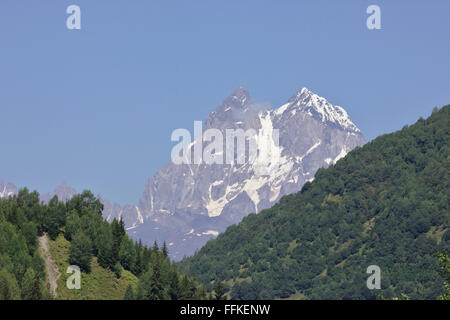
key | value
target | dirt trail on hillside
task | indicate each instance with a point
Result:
(51, 268)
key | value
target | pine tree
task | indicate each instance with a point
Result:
(80, 252)
(117, 270)
(118, 232)
(72, 225)
(127, 254)
(9, 289)
(156, 291)
(188, 288)
(129, 293)
(165, 251)
(55, 217)
(104, 247)
(174, 286)
(37, 291)
(29, 286)
(138, 265)
(202, 293)
(155, 246)
(219, 290)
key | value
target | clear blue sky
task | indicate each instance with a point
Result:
(96, 107)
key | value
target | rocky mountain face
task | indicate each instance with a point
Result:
(188, 204)
(63, 192)
(7, 190)
(131, 215)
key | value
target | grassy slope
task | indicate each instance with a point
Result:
(100, 284)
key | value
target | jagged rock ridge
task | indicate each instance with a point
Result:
(186, 205)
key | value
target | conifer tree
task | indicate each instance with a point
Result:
(219, 290)
(127, 254)
(9, 289)
(174, 286)
(80, 252)
(129, 293)
(165, 251)
(155, 246)
(156, 291)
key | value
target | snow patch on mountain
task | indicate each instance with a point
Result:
(341, 155)
(211, 232)
(313, 104)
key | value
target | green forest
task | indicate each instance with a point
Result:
(384, 204)
(79, 223)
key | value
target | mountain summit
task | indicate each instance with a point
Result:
(318, 107)
(186, 205)
(240, 97)
(232, 108)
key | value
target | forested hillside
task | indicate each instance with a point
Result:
(384, 204)
(22, 270)
(110, 261)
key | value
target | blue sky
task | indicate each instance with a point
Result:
(95, 107)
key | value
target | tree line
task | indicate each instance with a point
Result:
(22, 271)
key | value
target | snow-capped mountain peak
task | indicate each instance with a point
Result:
(318, 107)
(311, 133)
(240, 97)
